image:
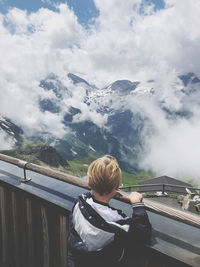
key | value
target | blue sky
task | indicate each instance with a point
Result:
(85, 10)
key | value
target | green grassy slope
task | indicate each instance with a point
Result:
(78, 167)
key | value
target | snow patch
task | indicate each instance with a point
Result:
(6, 126)
(92, 148)
(73, 152)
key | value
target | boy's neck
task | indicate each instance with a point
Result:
(102, 198)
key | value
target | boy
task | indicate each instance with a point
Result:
(100, 235)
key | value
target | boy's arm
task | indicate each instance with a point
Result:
(140, 227)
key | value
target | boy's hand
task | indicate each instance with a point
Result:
(133, 197)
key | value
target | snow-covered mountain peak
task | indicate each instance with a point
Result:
(143, 90)
(76, 79)
(123, 87)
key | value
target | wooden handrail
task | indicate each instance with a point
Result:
(182, 216)
(170, 212)
(45, 171)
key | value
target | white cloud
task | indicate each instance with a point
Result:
(6, 141)
(30, 49)
(175, 150)
(17, 20)
(122, 44)
(47, 2)
(127, 44)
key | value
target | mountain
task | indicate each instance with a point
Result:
(76, 79)
(39, 153)
(12, 133)
(123, 124)
(126, 127)
(189, 78)
(118, 136)
(123, 87)
(88, 139)
(102, 121)
(52, 83)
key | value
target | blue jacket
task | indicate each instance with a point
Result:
(95, 241)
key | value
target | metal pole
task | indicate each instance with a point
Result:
(163, 189)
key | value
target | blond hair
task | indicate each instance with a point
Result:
(104, 175)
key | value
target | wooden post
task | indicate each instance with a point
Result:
(30, 238)
(45, 233)
(4, 233)
(15, 225)
(63, 240)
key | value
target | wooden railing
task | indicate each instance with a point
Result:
(33, 224)
(33, 231)
(164, 210)
(43, 170)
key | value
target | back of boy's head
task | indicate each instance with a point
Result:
(104, 175)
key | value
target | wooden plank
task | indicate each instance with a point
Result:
(15, 225)
(63, 240)
(37, 233)
(45, 235)
(4, 232)
(54, 230)
(30, 237)
(22, 230)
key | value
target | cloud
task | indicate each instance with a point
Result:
(31, 48)
(170, 137)
(136, 46)
(129, 40)
(6, 142)
(175, 151)
(47, 2)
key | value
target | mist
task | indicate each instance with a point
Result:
(170, 137)
(147, 44)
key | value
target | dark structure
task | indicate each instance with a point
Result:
(165, 184)
(34, 220)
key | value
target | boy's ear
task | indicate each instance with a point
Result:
(117, 187)
(89, 186)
